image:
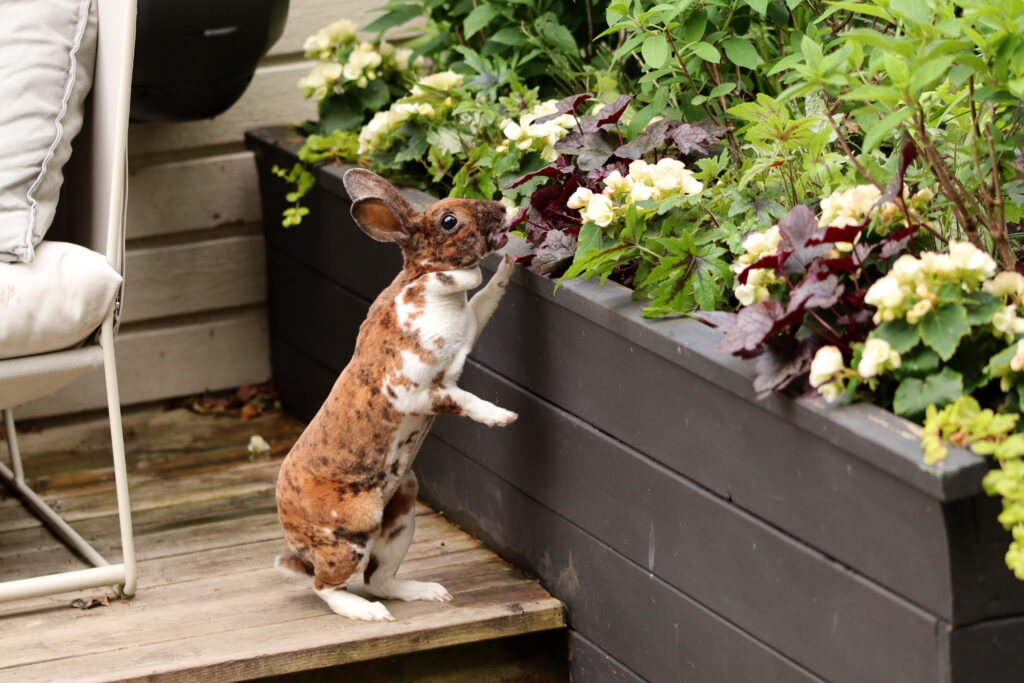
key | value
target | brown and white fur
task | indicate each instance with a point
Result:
(346, 494)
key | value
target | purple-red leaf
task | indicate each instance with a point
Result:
(784, 360)
(908, 153)
(554, 253)
(556, 169)
(607, 116)
(797, 228)
(566, 105)
(897, 242)
(718, 319)
(652, 137)
(833, 234)
(691, 139)
(814, 292)
(774, 261)
(753, 325)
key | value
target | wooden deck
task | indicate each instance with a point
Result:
(209, 605)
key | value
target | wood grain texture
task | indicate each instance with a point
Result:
(192, 194)
(156, 363)
(194, 277)
(210, 606)
(272, 97)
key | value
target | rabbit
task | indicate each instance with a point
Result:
(345, 493)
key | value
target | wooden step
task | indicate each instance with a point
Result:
(209, 604)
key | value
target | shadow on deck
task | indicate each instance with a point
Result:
(210, 606)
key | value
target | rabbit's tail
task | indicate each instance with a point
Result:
(291, 565)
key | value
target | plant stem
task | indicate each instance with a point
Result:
(849, 152)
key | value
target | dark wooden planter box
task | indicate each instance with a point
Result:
(694, 533)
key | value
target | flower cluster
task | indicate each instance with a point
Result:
(667, 178)
(345, 62)
(756, 245)
(855, 205)
(540, 137)
(374, 136)
(829, 373)
(910, 289)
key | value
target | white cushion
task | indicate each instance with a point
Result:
(54, 302)
(47, 58)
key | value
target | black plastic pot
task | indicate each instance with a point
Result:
(694, 532)
(195, 58)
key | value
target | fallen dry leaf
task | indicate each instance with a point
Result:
(102, 601)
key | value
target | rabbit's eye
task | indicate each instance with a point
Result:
(449, 222)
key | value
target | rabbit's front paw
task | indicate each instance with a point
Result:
(500, 417)
(504, 272)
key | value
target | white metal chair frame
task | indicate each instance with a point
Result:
(105, 148)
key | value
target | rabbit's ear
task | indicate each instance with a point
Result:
(377, 206)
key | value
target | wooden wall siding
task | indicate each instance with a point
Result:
(194, 316)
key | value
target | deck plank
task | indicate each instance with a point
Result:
(209, 603)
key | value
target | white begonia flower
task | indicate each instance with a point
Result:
(966, 256)
(525, 143)
(340, 31)
(351, 72)
(746, 294)
(827, 363)
(600, 210)
(616, 182)
(510, 205)
(918, 311)
(885, 293)
(640, 171)
(1006, 283)
(1017, 362)
(1004, 318)
(317, 45)
(402, 57)
(640, 192)
(258, 445)
(755, 243)
(512, 130)
(906, 268)
(442, 80)
(424, 109)
(831, 391)
(848, 207)
(937, 264)
(876, 357)
(386, 49)
(756, 277)
(580, 198)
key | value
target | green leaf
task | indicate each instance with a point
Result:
(706, 51)
(759, 6)
(913, 395)
(510, 35)
(396, 16)
(812, 52)
(862, 8)
(723, 89)
(445, 138)
(929, 72)
(915, 10)
(943, 328)
(654, 50)
(981, 306)
(557, 34)
(741, 52)
(695, 26)
(878, 131)
(479, 18)
(921, 361)
(901, 335)
(589, 240)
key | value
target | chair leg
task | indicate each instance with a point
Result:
(124, 512)
(12, 446)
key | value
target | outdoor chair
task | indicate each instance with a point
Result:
(92, 214)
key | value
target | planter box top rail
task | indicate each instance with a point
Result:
(880, 438)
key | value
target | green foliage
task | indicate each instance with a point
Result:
(545, 44)
(986, 433)
(950, 74)
(338, 146)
